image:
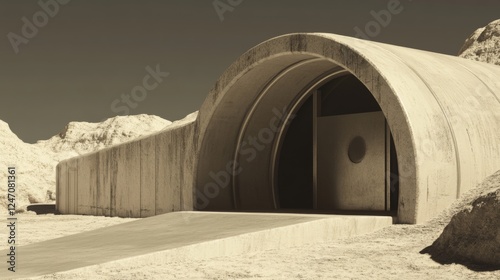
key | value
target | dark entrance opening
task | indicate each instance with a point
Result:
(296, 176)
(295, 169)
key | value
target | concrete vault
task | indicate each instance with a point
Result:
(309, 123)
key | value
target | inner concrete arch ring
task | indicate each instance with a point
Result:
(250, 114)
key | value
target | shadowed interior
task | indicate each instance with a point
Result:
(339, 96)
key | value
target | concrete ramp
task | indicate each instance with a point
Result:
(181, 235)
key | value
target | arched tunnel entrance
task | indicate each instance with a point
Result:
(337, 153)
(272, 145)
(246, 122)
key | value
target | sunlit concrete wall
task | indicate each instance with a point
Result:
(140, 178)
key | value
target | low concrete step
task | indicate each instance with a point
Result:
(192, 235)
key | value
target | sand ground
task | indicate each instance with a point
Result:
(391, 253)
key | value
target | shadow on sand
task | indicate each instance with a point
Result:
(444, 258)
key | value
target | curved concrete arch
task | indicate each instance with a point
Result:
(444, 146)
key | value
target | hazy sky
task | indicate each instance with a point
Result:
(82, 56)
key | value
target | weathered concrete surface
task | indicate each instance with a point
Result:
(443, 111)
(472, 236)
(141, 178)
(187, 235)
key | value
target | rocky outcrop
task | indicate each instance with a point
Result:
(85, 137)
(484, 44)
(472, 236)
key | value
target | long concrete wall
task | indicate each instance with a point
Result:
(141, 178)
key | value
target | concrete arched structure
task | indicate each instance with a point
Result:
(443, 113)
(436, 121)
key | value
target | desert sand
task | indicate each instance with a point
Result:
(394, 252)
(391, 253)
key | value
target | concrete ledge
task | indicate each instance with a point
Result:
(182, 235)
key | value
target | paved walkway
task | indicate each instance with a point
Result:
(187, 235)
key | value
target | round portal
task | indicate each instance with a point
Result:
(357, 149)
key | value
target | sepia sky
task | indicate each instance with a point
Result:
(80, 61)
